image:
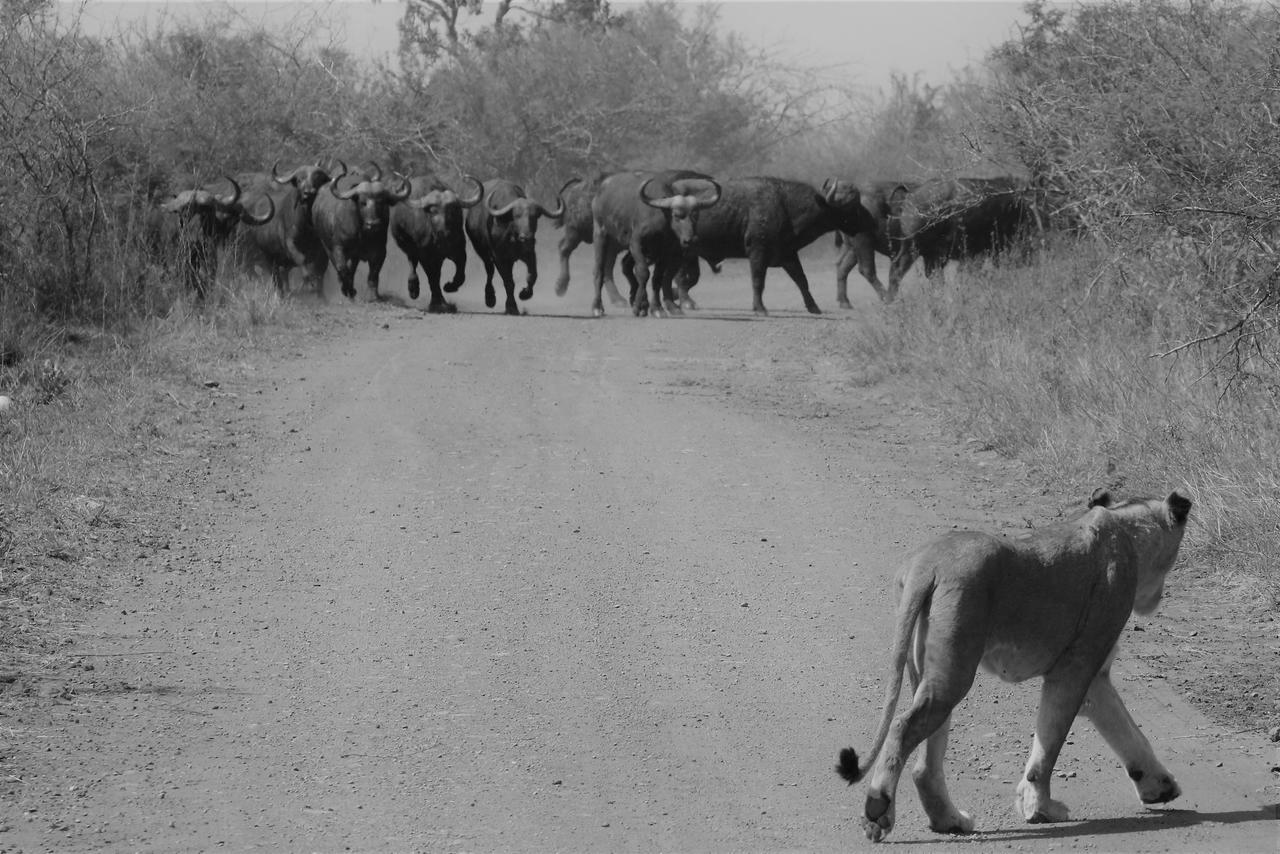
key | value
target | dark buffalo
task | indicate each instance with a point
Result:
(883, 200)
(194, 226)
(768, 221)
(579, 228)
(428, 228)
(653, 216)
(290, 239)
(502, 232)
(956, 219)
(352, 224)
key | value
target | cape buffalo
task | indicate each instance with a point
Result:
(428, 228)
(290, 239)
(352, 224)
(956, 219)
(195, 225)
(579, 228)
(654, 217)
(768, 221)
(502, 232)
(883, 202)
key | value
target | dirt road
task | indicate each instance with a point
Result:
(479, 583)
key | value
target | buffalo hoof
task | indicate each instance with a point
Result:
(597, 311)
(452, 287)
(562, 286)
(812, 308)
(760, 310)
(349, 293)
(844, 303)
(490, 298)
(527, 293)
(640, 310)
(688, 303)
(414, 291)
(512, 309)
(442, 307)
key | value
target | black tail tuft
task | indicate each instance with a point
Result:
(847, 767)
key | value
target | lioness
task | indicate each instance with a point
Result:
(1051, 604)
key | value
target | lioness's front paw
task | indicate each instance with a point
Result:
(1037, 809)
(1157, 788)
(959, 822)
(878, 818)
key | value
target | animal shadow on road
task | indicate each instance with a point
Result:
(1156, 820)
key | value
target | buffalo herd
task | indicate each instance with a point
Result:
(660, 226)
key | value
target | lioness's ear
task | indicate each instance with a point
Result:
(1179, 507)
(1100, 498)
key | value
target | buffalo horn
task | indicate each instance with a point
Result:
(235, 192)
(663, 203)
(474, 200)
(705, 202)
(277, 177)
(568, 184)
(251, 219)
(376, 174)
(502, 211)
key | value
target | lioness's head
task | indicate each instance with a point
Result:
(1157, 526)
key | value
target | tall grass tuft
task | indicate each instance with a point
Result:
(1065, 364)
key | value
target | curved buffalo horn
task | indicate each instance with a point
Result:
(474, 200)
(345, 195)
(235, 195)
(665, 203)
(275, 175)
(405, 189)
(716, 190)
(250, 219)
(558, 212)
(502, 211)
(568, 184)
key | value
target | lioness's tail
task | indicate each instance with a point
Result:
(913, 601)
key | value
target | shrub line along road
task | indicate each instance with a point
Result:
(554, 584)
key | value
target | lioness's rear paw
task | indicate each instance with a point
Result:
(878, 818)
(1036, 809)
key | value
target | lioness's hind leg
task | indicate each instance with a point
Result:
(931, 783)
(1103, 706)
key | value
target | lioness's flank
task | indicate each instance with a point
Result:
(1050, 604)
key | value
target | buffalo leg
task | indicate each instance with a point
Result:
(664, 274)
(606, 253)
(415, 287)
(375, 262)
(569, 241)
(530, 259)
(506, 270)
(859, 250)
(459, 259)
(686, 277)
(640, 299)
(796, 272)
(898, 267)
(346, 269)
(437, 305)
(490, 298)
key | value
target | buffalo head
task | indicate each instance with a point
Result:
(373, 199)
(217, 214)
(523, 213)
(306, 179)
(436, 203)
(845, 201)
(689, 195)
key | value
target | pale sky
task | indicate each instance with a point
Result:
(868, 39)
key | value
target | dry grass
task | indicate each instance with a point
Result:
(99, 425)
(1052, 364)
